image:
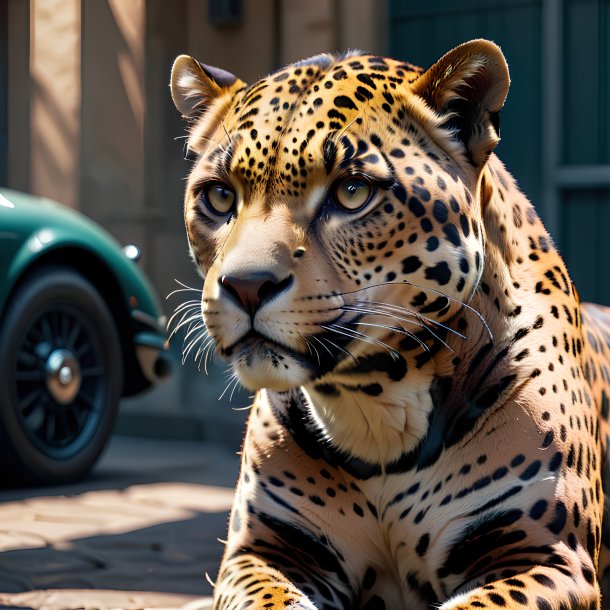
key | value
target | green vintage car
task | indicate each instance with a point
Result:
(80, 327)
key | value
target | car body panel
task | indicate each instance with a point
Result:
(32, 227)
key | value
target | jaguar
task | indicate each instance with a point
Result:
(430, 423)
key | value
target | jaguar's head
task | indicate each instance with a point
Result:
(333, 206)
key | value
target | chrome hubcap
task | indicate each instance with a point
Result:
(63, 376)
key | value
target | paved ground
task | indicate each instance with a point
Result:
(141, 532)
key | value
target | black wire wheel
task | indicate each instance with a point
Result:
(60, 378)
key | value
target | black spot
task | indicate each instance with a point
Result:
(588, 575)
(542, 604)
(327, 389)
(372, 389)
(411, 264)
(452, 235)
(416, 207)
(317, 500)
(396, 368)
(531, 471)
(544, 580)
(497, 599)
(400, 192)
(464, 224)
(362, 94)
(343, 101)
(555, 462)
(367, 80)
(426, 225)
(436, 305)
(370, 577)
(517, 460)
(421, 192)
(538, 509)
(518, 596)
(559, 519)
(440, 273)
(432, 243)
(440, 211)
(422, 545)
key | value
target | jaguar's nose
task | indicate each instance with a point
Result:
(254, 289)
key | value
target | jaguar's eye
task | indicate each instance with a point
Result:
(353, 193)
(219, 198)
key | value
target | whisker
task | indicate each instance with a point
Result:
(418, 315)
(234, 388)
(421, 323)
(402, 331)
(201, 350)
(227, 134)
(186, 310)
(227, 386)
(382, 313)
(195, 328)
(314, 349)
(354, 334)
(187, 318)
(187, 350)
(346, 127)
(338, 347)
(434, 290)
(408, 333)
(184, 288)
(210, 349)
(324, 346)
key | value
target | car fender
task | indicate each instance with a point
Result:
(42, 244)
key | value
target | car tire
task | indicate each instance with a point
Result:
(60, 378)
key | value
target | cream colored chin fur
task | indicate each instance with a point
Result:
(374, 429)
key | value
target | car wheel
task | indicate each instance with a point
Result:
(60, 378)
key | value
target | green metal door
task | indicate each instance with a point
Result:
(582, 174)
(555, 126)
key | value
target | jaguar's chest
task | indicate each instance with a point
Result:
(410, 524)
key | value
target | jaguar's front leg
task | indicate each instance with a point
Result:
(280, 551)
(278, 564)
(247, 580)
(569, 584)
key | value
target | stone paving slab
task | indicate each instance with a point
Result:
(142, 532)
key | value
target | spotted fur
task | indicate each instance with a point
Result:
(431, 418)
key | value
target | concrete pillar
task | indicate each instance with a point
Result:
(246, 49)
(113, 112)
(18, 95)
(55, 99)
(307, 28)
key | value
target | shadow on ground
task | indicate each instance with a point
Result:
(141, 532)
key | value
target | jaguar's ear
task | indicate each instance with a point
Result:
(468, 86)
(195, 86)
